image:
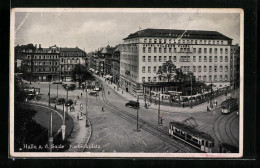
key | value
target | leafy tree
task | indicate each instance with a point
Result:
(25, 69)
(80, 73)
(167, 71)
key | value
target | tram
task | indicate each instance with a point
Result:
(191, 136)
(229, 105)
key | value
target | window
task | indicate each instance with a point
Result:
(220, 69)
(143, 79)
(199, 78)
(164, 40)
(174, 58)
(221, 58)
(143, 69)
(199, 58)
(204, 78)
(154, 69)
(175, 50)
(226, 68)
(160, 58)
(226, 58)
(221, 51)
(145, 40)
(205, 50)
(221, 42)
(210, 50)
(149, 79)
(215, 68)
(149, 69)
(216, 58)
(194, 68)
(220, 78)
(149, 49)
(165, 50)
(155, 58)
(205, 58)
(210, 78)
(155, 40)
(210, 68)
(226, 51)
(215, 51)
(165, 58)
(210, 58)
(170, 57)
(170, 50)
(154, 79)
(155, 49)
(205, 68)
(215, 78)
(199, 69)
(199, 50)
(194, 58)
(143, 49)
(160, 50)
(149, 58)
(150, 40)
(226, 77)
(160, 40)
(194, 50)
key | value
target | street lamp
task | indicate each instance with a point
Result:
(50, 131)
(87, 123)
(159, 111)
(191, 90)
(137, 116)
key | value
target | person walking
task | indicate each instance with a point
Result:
(183, 105)
(81, 94)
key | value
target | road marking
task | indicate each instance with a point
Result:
(141, 140)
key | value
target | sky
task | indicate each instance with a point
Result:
(92, 30)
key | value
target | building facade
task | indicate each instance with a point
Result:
(115, 63)
(205, 53)
(69, 57)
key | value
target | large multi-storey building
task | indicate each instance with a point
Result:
(115, 63)
(208, 54)
(69, 57)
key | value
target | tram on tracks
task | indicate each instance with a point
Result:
(191, 136)
(229, 105)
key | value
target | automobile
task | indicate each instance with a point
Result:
(57, 82)
(72, 87)
(64, 85)
(53, 100)
(97, 89)
(93, 93)
(68, 103)
(60, 101)
(133, 104)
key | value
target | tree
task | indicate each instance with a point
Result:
(167, 71)
(25, 69)
(80, 74)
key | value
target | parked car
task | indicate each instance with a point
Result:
(60, 101)
(93, 93)
(72, 87)
(68, 103)
(133, 104)
(57, 82)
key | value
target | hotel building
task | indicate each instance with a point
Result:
(210, 55)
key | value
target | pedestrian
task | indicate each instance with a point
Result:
(183, 105)
(114, 88)
(81, 94)
(78, 97)
(102, 108)
(122, 92)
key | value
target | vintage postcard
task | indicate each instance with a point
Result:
(108, 83)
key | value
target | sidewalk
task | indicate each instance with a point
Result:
(187, 109)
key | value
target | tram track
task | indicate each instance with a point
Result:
(216, 130)
(230, 139)
(237, 142)
(163, 135)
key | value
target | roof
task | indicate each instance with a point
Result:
(190, 130)
(76, 49)
(229, 100)
(185, 34)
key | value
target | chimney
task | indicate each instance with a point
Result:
(40, 46)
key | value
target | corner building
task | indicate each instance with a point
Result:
(205, 53)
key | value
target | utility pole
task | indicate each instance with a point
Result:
(87, 124)
(159, 117)
(191, 90)
(137, 116)
(50, 131)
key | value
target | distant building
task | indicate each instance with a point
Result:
(115, 65)
(69, 57)
(46, 64)
(205, 53)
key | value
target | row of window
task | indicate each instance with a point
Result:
(45, 69)
(129, 57)
(75, 61)
(184, 41)
(165, 50)
(45, 63)
(72, 53)
(186, 58)
(187, 68)
(43, 57)
(221, 78)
